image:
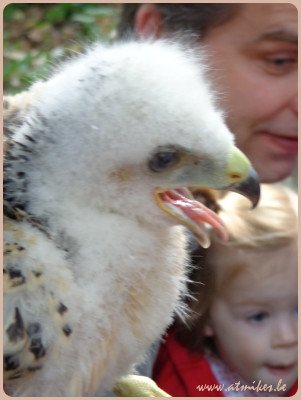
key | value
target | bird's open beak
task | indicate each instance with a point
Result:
(239, 177)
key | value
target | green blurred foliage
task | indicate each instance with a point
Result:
(38, 35)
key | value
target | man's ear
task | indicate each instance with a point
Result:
(148, 22)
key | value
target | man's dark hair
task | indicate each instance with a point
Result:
(190, 17)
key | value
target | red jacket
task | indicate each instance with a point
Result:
(182, 373)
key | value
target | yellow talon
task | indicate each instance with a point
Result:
(138, 386)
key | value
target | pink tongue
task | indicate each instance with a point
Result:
(195, 210)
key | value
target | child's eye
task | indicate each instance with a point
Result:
(258, 317)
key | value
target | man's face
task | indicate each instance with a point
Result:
(253, 320)
(254, 65)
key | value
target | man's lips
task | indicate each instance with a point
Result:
(286, 144)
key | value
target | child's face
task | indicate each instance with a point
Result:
(254, 320)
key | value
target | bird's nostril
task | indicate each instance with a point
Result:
(235, 176)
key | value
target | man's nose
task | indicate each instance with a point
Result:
(285, 334)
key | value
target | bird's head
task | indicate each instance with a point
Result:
(170, 140)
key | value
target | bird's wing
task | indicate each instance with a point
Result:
(35, 283)
(24, 351)
(23, 348)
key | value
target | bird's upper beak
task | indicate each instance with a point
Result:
(242, 177)
(238, 176)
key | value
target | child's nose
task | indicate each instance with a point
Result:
(285, 334)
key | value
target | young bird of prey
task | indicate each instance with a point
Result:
(96, 179)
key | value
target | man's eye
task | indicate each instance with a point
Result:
(258, 317)
(280, 64)
(282, 61)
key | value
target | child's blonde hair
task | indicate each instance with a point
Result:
(273, 224)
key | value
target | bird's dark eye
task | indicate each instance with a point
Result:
(163, 159)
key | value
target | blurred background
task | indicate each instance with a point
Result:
(38, 35)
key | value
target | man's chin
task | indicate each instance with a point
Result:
(275, 170)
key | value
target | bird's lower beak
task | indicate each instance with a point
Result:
(242, 177)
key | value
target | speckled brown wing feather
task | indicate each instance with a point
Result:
(23, 347)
